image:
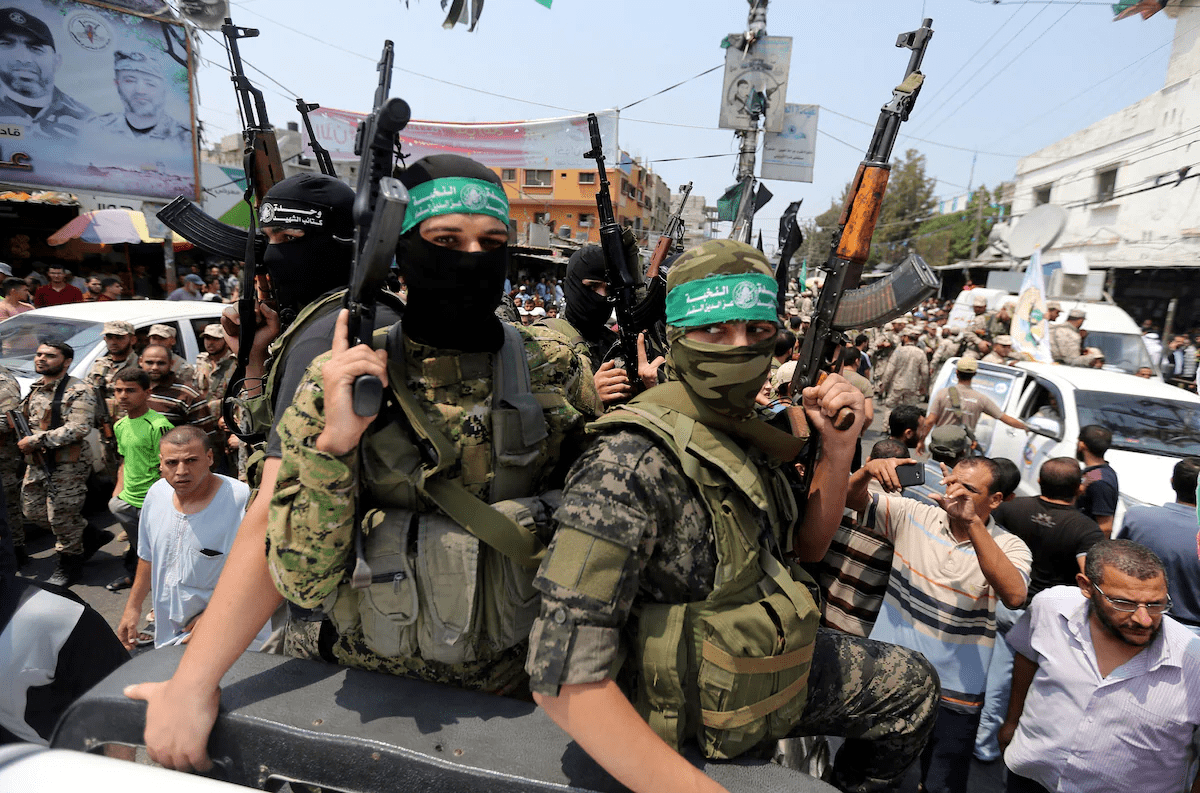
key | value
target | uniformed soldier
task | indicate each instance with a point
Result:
(11, 464)
(214, 367)
(1001, 323)
(1053, 309)
(978, 324)
(1001, 350)
(164, 336)
(906, 377)
(60, 410)
(667, 612)
(1066, 342)
(119, 338)
(885, 342)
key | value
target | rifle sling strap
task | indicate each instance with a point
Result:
(472, 513)
(56, 419)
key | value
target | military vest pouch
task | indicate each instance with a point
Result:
(388, 608)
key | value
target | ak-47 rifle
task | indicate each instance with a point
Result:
(672, 236)
(621, 286)
(324, 162)
(20, 426)
(105, 423)
(379, 205)
(260, 160)
(841, 305)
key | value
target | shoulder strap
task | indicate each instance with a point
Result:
(512, 388)
(56, 418)
(489, 525)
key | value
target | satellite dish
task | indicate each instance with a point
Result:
(999, 234)
(1038, 229)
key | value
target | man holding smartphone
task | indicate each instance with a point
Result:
(952, 563)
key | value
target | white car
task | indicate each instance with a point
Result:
(1153, 424)
(81, 325)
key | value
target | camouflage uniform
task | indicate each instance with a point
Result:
(884, 344)
(1066, 345)
(905, 380)
(102, 374)
(653, 543)
(998, 326)
(57, 503)
(11, 460)
(310, 530)
(212, 377)
(184, 372)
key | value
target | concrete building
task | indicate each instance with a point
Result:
(1128, 183)
(698, 219)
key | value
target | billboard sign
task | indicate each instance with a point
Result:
(543, 143)
(789, 155)
(94, 99)
(760, 71)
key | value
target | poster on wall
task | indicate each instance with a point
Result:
(95, 99)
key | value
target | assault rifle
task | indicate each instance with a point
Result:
(621, 286)
(104, 421)
(324, 162)
(672, 236)
(379, 205)
(841, 305)
(20, 425)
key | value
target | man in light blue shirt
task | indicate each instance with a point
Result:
(1106, 689)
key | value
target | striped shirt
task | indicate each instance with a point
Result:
(181, 404)
(938, 601)
(1083, 733)
(853, 578)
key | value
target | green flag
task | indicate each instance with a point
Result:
(803, 273)
(727, 205)
(1129, 8)
(546, 3)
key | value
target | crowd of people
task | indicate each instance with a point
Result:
(621, 541)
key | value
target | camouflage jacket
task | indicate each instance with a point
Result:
(78, 413)
(10, 399)
(310, 529)
(184, 372)
(212, 377)
(103, 372)
(907, 370)
(1066, 345)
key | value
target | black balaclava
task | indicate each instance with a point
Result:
(586, 311)
(306, 268)
(452, 295)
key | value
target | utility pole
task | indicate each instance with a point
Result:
(743, 223)
(978, 223)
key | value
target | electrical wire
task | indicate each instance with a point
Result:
(669, 88)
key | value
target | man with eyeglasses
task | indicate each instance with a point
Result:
(1104, 694)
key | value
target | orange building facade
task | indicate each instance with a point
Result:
(565, 200)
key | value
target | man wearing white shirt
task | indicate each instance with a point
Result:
(188, 523)
(1106, 689)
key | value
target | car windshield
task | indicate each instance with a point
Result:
(1125, 352)
(1143, 424)
(21, 335)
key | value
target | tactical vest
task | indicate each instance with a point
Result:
(731, 670)
(440, 573)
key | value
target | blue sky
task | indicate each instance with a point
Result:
(1002, 79)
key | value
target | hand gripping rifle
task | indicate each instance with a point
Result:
(379, 206)
(621, 286)
(672, 236)
(841, 305)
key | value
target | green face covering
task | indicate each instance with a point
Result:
(724, 378)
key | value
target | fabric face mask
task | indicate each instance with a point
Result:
(726, 379)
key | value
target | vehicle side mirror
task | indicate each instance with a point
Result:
(1044, 425)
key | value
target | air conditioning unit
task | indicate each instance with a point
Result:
(1088, 286)
(564, 232)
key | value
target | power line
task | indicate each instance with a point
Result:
(668, 88)
(924, 140)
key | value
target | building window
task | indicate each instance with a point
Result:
(587, 177)
(1106, 185)
(541, 218)
(586, 219)
(508, 174)
(1041, 195)
(539, 178)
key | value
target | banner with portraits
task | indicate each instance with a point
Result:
(95, 99)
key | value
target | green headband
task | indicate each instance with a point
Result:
(722, 298)
(454, 194)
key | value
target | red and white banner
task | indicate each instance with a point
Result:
(542, 143)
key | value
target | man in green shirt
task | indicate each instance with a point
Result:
(137, 435)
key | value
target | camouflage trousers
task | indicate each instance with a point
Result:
(57, 503)
(881, 698)
(10, 476)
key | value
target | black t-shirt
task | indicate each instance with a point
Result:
(314, 340)
(1055, 533)
(1099, 500)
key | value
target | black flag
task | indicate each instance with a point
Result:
(790, 239)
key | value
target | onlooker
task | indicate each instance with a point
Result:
(1059, 537)
(179, 403)
(164, 336)
(58, 292)
(16, 297)
(948, 446)
(951, 566)
(110, 289)
(54, 647)
(1170, 531)
(904, 425)
(1104, 696)
(137, 437)
(189, 288)
(94, 289)
(1099, 497)
(189, 520)
(961, 404)
(212, 290)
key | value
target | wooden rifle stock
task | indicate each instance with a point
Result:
(661, 251)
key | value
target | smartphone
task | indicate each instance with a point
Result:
(911, 475)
